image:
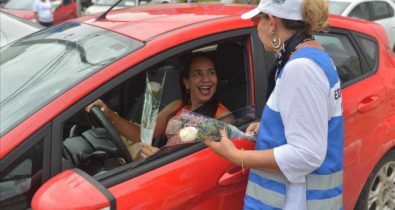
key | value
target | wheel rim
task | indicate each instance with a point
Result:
(382, 190)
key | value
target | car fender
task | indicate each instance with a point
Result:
(380, 32)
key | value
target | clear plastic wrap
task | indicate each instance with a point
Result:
(153, 94)
(189, 127)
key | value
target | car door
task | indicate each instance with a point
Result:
(188, 176)
(192, 177)
(362, 92)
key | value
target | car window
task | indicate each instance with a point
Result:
(62, 56)
(381, 10)
(128, 98)
(344, 55)
(20, 179)
(361, 11)
(370, 49)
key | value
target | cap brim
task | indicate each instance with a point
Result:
(250, 14)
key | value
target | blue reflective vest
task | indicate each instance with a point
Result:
(324, 185)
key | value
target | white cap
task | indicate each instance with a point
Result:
(287, 9)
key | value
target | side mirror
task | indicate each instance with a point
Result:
(73, 189)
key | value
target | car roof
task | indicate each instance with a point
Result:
(148, 21)
(145, 23)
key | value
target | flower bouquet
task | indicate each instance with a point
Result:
(153, 93)
(192, 127)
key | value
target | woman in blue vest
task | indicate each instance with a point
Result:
(298, 161)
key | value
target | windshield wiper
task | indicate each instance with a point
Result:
(103, 16)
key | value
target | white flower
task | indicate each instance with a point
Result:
(155, 87)
(188, 134)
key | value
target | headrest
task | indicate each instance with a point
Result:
(230, 61)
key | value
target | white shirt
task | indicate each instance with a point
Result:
(303, 104)
(43, 10)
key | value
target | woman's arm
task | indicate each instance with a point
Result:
(258, 159)
(125, 128)
(129, 129)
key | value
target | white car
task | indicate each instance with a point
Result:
(379, 11)
(13, 28)
(99, 6)
(102, 5)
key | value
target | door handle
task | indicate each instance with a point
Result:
(368, 104)
(233, 175)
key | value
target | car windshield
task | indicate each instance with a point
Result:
(36, 69)
(337, 8)
(19, 4)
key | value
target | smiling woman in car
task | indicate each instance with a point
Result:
(199, 83)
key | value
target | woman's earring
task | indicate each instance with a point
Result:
(277, 44)
(187, 90)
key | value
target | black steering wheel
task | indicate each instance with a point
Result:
(115, 137)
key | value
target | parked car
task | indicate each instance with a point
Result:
(13, 28)
(57, 156)
(62, 10)
(379, 11)
(99, 6)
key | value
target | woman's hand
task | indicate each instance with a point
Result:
(253, 128)
(148, 150)
(225, 147)
(102, 106)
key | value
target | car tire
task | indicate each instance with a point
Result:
(379, 191)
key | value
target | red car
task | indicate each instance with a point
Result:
(54, 155)
(62, 10)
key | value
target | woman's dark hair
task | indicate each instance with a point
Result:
(210, 107)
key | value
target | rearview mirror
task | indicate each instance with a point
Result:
(73, 189)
